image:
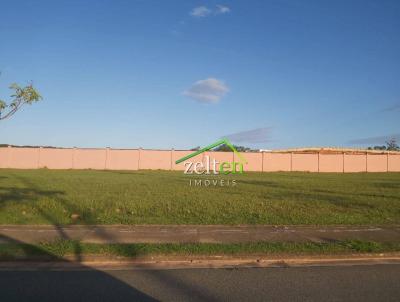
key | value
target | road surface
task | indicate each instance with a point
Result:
(334, 283)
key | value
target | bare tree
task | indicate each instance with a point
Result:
(20, 97)
(392, 145)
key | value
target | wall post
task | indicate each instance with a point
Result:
(9, 151)
(343, 161)
(291, 161)
(262, 161)
(39, 154)
(73, 157)
(172, 159)
(138, 164)
(387, 162)
(106, 159)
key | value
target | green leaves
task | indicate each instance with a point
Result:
(2, 105)
(27, 94)
(20, 96)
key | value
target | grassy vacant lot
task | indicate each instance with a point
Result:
(163, 197)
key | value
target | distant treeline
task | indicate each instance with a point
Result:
(27, 146)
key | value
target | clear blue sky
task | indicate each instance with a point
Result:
(162, 74)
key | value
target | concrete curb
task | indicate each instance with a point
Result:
(156, 263)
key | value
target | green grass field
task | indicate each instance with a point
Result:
(163, 197)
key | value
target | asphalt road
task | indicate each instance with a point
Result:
(340, 283)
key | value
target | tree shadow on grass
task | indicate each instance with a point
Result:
(82, 283)
(32, 193)
(8, 194)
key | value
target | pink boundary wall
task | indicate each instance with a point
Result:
(116, 159)
(305, 162)
(331, 162)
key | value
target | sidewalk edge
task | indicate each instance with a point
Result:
(198, 262)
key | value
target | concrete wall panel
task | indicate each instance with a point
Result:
(122, 159)
(274, 162)
(377, 163)
(331, 163)
(55, 158)
(355, 163)
(4, 157)
(394, 163)
(253, 161)
(89, 159)
(24, 158)
(155, 159)
(305, 162)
